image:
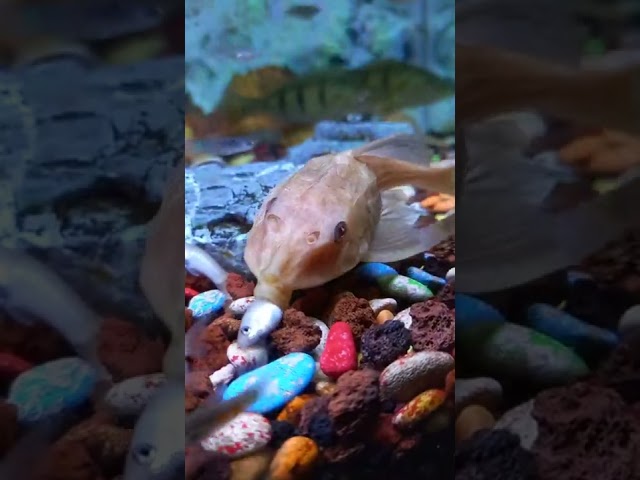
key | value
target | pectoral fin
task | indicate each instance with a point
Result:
(400, 234)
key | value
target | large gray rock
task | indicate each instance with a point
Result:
(84, 155)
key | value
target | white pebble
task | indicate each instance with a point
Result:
(129, 397)
(484, 391)
(316, 352)
(408, 376)
(451, 275)
(630, 321)
(223, 376)
(405, 317)
(379, 304)
(243, 434)
(247, 359)
(519, 420)
(239, 307)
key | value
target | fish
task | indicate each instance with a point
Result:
(30, 291)
(220, 146)
(378, 88)
(492, 81)
(305, 12)
(199, 262)
(336, 211)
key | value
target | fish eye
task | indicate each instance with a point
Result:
(340, 231)
(144, 453)
(245, 330)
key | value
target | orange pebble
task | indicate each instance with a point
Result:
(294, 460)
(384, 316)
(471, 419)
(444, 206)
(291, 412)
(450, 382)
(419, 408)
(430, 201)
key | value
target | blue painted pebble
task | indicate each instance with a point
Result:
(206, 305)
(583, 338)
(51, 388)
(425, 278)
(374, 271)
(278, 382)
(475, 317)
(404, 288)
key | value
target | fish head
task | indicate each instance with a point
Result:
(313, 227)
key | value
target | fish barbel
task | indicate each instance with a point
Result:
(337, 211)
(379, 88)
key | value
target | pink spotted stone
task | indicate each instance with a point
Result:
(242, 435)
(340, 354)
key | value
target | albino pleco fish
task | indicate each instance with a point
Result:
(162, 270)
(335, 212)
(506, 235)
(31, 291)
(199, 262)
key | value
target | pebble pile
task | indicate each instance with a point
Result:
(549, 376)
(357, 380)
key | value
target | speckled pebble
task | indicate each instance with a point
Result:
(519, 420)
(425, 278)
(242, 435)
(129, 397)
(451, 275)
(340, 354)
(324, 329)
(247, 359)
(223, 376)
(483, 391)
(405, 317)
(207, 305)
(629, 322)
(51, 388)
(380, 304)
(238, 307)
(405, 288)
(410, 375)
(280, 381)
(419, 408)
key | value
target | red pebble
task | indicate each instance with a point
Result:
(11, 366)
(189, 293)
(340, 354)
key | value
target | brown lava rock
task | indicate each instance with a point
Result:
(230, 326)
(296, 333)
(354, 405)
(127, 352)
(355, 311)
(9, 428)
(203, 465)
(207, 348)
(586, 430)
(36, 343)
(197, 389)
(238, 286)
(312, 302)
(312, 408)
(621, 372)
(198, 283)
(447, 295)
(433, 326)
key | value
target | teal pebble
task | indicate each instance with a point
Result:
(277, 382)
(475, 318)
(425, 278)
(585, 339)
(52, 388)
(207, 304)
(405, 288)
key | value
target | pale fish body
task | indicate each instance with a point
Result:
(31, 291)
(199, 262)
(157, 447)
(337, 211)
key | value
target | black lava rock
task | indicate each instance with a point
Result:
(382, 344)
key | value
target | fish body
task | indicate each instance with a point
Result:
(30, 290)
(199, 262)
(335, 212)
(379, 88)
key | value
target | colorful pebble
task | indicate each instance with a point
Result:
(419, 408)
(374, 271)
(384, 316)
(206, 305)
(280, 381)
(242, 435)
(51, 388)
(585, 339)
(475, 318)
(472, 419)
(223, 376)
(340, 354)
(325, 388)
(247, 359)
(130, 396)
(380, 304)
(324, 329)
(405, 317)
(425, 278)
(295, 459)
(408, 376)
(239, 307)
(405, 288)
(629, 321)
(483, 391)
(12, 365)
(292, 410)
(451, 275)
